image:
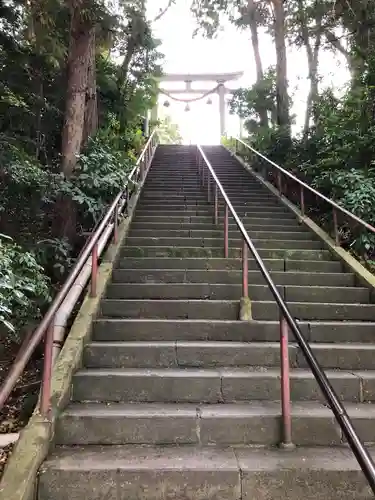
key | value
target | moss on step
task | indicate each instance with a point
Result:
(245, 309)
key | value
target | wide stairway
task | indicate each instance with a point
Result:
(177, 398)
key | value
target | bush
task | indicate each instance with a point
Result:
(24, 287)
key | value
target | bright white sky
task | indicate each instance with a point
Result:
(231, 51)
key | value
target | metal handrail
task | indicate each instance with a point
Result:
(288, 321)
(335, 206)
(90, 251)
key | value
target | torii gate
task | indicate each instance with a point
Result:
(188, 79)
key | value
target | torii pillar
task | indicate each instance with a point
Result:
(222, 90)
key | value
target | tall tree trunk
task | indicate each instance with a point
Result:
(72, 132)
(79, 56)
(312, 58)
(251, 7)
(91, 112)
(282, 98)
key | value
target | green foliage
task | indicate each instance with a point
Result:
(34, 47)
(336, 157)
(100, 174)
(247, 103)
(24, 288)
(169, 132)
(55, 256)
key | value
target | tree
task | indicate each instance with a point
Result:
(169, 132)
(305, 18)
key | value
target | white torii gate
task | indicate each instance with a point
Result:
(188, 79)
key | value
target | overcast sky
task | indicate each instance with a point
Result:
(231, 51)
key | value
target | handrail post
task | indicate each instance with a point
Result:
(141, 170)
(216, 217)
(94, 270)
(45, 398)
(226, 223)
(203, 166)
(285, 386)
(279, 184)
(302, 200)
(245, 270)
(115, 225)
(336, 227)
(208, 187)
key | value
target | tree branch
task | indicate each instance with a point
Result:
(164, 11)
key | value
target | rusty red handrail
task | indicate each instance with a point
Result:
(303, 185)
(89, 252)
(287, 321)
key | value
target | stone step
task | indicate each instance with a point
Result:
(192, 473)
(152, 330)
(219, 234)
(204, 252)
(214, 385)
(230, 277)
(229, 309)
(173, 290)
(354, 356)
(217, 263)
(208, 219)
(255, 423)
(210, 226)
(218, 242)
(258, 211)
(181, 196)
(193, 204)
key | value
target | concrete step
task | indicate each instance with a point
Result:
(354, 356)
(210, 226)
(289, 220)
(218, 242)
(150, 330)
(219, 234)
(217, 291)
(255, 423)
(204, 252)
(173, 309)
(259, 212)
(214, 385)
(231, 277)
(192, 473)
(181, 196)
(229, 309)
(234, 264)
(192, 204)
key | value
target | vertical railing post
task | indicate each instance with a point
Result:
(285, 386)
(245, 270)
(141, 170)
(45, 398)
(302, 200)
(203, 168)
(279, 185)
(208, 186)
(226, 223)
(115, 225)
(127, 198)
(336, 227)
(94, 270)
(216, 216)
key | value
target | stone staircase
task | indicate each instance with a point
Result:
(176, 398)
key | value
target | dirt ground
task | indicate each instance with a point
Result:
(20, 404)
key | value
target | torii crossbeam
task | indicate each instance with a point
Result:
(188, 79)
